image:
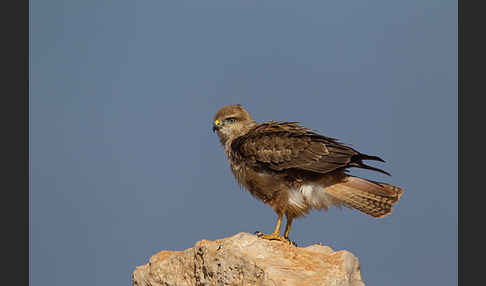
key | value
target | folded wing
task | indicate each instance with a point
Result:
(286, 145)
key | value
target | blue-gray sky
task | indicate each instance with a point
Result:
(123, 163)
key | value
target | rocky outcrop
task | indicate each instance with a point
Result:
(245, 259)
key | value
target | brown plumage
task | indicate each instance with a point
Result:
(294, 169)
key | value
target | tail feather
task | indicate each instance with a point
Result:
(372, 198)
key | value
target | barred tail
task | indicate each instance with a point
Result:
(372, 198)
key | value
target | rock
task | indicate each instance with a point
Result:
(245, 259)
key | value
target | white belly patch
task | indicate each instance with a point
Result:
(310, 195)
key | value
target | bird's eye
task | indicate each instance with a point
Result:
(231, 119)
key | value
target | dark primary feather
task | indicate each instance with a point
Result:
(286, 145)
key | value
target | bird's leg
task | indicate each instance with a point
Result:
(287, 227)
(279, 223)
(287, 230)
(276, 233)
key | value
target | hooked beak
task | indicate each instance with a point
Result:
(216, 125)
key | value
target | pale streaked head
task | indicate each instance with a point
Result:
(231, 121)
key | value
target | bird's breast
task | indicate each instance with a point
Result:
(261, 184)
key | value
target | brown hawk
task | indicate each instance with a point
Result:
(294, 169)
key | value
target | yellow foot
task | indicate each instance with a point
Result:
(274, 236)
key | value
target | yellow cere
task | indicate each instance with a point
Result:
(217, 122)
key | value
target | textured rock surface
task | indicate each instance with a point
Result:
(245, 259)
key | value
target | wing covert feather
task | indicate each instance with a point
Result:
(285, 145)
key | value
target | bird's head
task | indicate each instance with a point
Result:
(232, 121)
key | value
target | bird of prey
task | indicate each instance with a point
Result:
(294, 169)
